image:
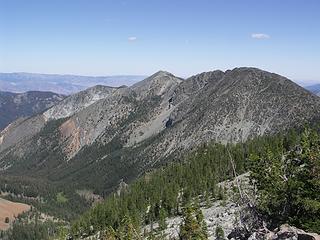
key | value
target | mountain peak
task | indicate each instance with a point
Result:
(251, 70)
(161, 73)
(157, 84)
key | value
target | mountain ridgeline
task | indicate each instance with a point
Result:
(16, 105)
(99, 137)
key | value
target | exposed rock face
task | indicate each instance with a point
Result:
(20, 130)
(234, 218)
(123, 187)
(232, 107)
(25, 129)
(224, 214)
(77, 102)
(243, 103)
(16, 105)
(284, 232)
(159, 84)
(118, 133)
(289, 232)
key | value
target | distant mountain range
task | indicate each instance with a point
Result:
(16, 105)
(62, 84)
(69, 84)
(314, 89)
(95, 138)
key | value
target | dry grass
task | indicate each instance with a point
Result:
(11, 210)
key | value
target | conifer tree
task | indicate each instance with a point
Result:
(110, 234)
(162, 219)
(289, 184)
(193, 225)
(127, 231)
(219, 233)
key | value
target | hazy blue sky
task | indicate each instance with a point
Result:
(101, 37)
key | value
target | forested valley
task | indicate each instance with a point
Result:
(285, 168)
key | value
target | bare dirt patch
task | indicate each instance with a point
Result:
(11, 210)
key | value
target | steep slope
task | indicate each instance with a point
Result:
(16, 105)
(77, 102)
(240, 104)
(24, 129)
(230, 107)
(131, 130)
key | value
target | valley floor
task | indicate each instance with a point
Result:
(11, 210)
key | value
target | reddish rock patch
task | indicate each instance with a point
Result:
(71, 133)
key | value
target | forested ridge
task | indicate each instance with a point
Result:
(172, 188)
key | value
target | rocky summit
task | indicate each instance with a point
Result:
(97, 137)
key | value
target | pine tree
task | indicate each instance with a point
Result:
(193, 225)
(127, 231)
(289, 184)
(219, 233)
(162, 219)
(110, 234)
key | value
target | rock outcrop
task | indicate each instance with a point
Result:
(234, 217)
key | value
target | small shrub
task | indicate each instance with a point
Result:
(219, 233)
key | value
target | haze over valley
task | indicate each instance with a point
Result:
(61, 84)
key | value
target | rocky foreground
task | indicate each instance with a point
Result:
(234, 215)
